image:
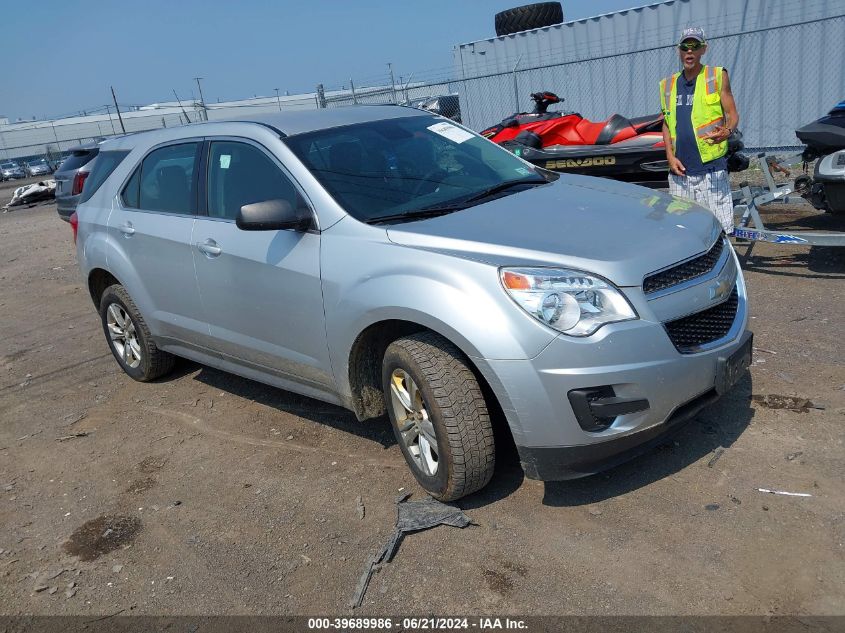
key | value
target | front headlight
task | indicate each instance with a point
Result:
(570, 301)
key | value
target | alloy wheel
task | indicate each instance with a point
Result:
(415, 428)
(123, 335)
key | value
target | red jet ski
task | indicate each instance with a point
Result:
(624, 149)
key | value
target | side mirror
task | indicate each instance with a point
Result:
(272, 215)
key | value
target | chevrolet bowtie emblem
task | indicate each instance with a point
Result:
(721, 288)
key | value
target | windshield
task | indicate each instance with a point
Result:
(7, 166)
(397, 166)
(40, 161)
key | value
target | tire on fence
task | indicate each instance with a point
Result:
(530, 16)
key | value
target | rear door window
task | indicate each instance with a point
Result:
(101, 170)
(131, 192)
(165, 180)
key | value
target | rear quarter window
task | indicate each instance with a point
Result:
(106, 163)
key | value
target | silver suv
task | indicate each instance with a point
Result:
(70, 177)
(388, 260)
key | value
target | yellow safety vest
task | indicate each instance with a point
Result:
(707, 110)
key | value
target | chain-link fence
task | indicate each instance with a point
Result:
(782, 78)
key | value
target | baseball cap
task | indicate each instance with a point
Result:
(692, 33)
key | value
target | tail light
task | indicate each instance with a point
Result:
(74, 225)
(79, 182)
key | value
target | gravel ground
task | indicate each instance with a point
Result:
(205, 493)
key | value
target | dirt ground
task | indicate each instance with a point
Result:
(205, 493)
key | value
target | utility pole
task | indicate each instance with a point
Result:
(122, 127)
(392, 81)
(181, 106)
(406, 86)
(277, 99)
(108, 109)
(202, 100)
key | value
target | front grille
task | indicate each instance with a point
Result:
(690, 269)
(690, 332)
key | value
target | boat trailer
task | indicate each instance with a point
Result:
(748, 200)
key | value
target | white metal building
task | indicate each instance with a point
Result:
(784, 58)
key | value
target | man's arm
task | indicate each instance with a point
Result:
(675, 165)
(729, 108)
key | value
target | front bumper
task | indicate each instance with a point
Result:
(572, 462)
(624, 365)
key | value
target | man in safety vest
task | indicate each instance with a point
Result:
(699, 115)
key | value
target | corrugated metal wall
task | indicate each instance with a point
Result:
(784, 58)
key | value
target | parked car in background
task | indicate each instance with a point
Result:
(38, 167)
(70, 178)
(55, 163)
(384, 259)
(11, 171)
(444, 105)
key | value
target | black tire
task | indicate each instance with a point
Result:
(154, 362)
(530, 16)
(455, 405)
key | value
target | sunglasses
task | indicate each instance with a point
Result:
(690, 46)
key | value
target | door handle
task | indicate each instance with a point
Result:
(127, 229)
(209, 247)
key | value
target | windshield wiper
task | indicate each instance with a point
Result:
(502, 186)
(442, 209)
(430, 212)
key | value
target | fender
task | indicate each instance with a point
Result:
(462, 300)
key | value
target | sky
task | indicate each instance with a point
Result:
(61, 57)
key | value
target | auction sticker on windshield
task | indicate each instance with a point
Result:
(447, 130)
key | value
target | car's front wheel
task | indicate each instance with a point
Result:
(129, 337)
(439, 415)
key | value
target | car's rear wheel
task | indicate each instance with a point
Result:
(129, 337)
(439, 415)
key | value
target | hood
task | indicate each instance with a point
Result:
(619, 231)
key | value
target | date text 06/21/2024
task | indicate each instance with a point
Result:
(420, 624)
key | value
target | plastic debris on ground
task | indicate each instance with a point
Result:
(37, 191)
(411, 516)
(782, 492)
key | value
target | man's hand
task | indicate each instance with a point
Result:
(718, 135)
(676, 166)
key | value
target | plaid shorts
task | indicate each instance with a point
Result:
(711, 190)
